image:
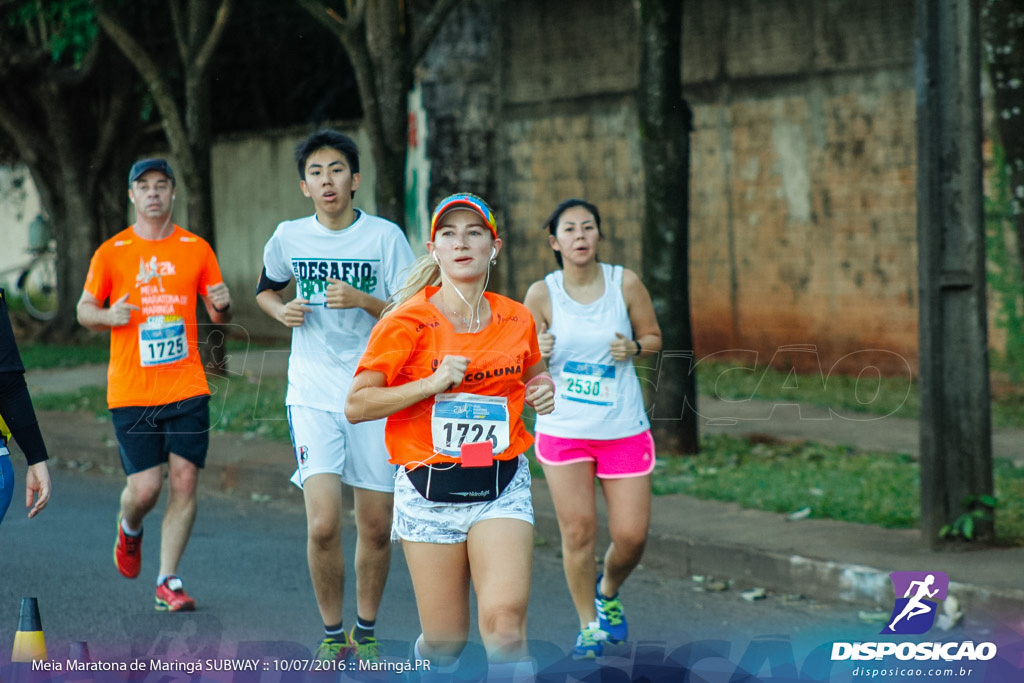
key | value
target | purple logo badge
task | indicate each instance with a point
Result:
(917, 596)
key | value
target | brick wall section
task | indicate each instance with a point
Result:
(587, 153)
(803, 225)
(803, 185)
(803, 220)
(558, 51)
(568, 128)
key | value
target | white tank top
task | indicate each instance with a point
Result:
(596, 397)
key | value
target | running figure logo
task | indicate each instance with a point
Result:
(151, 270)
(914, 613)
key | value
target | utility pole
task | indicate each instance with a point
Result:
(956, 437)
(665, 122)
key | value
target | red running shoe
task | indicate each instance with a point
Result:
(127, 552)
(171, 596)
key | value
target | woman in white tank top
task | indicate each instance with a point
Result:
(593, 319)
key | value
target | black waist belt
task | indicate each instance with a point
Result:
(453, 483)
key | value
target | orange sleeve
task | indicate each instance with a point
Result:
(211, 271)
(534, 348)
(97, 281)
(388, 351)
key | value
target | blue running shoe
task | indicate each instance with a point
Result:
(610, 618)
(587, 644)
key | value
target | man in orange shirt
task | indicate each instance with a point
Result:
(151, 274)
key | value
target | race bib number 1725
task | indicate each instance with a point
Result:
(162, 340)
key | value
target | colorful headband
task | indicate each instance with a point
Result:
(463, 200)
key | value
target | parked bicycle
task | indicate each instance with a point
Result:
(38, 282)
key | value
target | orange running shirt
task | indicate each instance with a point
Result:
(409, 343)
(154, 359)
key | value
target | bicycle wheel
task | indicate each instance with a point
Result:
(39, 287)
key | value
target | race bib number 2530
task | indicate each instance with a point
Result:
(588, 383)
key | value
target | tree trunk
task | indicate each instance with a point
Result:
(665, 121)
(198, 128)
(387, 33)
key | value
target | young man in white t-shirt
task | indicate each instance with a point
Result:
(346, 264)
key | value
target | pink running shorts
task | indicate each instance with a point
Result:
(632, 456)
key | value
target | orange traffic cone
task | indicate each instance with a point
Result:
(29, 644)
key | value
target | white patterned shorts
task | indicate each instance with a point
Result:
(420, 520)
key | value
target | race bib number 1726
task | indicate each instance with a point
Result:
(464, 418)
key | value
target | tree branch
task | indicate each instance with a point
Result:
(72, 75)
(429, 29)
(158, 86)
(327, 18)
(202, 59)
(110, 128)
(31, 147)
(356, 13)
(180, 33)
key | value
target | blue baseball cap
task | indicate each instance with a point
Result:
(143, 165)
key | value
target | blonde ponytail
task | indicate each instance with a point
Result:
(424, 272)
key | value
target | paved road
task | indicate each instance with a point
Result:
(246, 567)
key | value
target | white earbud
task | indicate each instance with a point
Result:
(434, 254)
(494, 252)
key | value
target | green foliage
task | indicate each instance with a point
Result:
(89, 399)
(66, 27)
(896, 396)
(868, 393)
(250, 406)
(833, 482)
(48, 356)
(978, 509)
(1004, 268)
(830, 482)
(1008, 411)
